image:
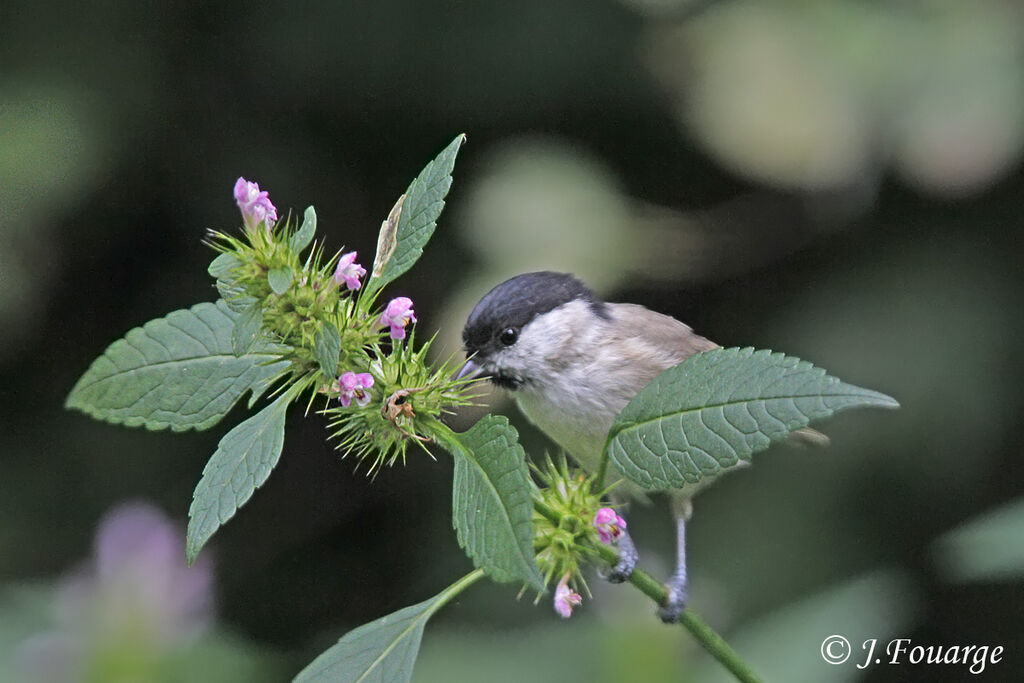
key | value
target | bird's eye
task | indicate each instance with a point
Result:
(509, 336)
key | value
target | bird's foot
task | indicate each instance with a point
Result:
(675, 599)
(675, 602)
(623, 569)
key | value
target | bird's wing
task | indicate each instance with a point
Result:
(659, 333)
(665, 335)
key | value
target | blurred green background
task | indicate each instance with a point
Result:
(840, 180)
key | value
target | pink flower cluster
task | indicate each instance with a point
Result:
(609, 525)
(349, 272)
(353, 385)
(254, 204)
(398, 314)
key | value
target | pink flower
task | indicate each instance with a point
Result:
(398, 314)
(349, 272)
(353, 386)
(254, 204)
(609, 525)
(566, 598)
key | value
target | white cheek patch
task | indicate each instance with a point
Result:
(549, 344)
(565, 391)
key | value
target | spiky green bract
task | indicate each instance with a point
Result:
(561, 548)
(407, 397)
(296, 297)
(330, 330)
(298, 301)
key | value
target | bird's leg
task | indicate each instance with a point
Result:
(675, 601)
(623, 569)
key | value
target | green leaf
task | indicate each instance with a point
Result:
(327, 349)
(383, 650)
(242, 462)
(985, 548)
(719, 407)
(247, 328)
(179, 372)
(492, 510)
(280, 279)
(420, 209)
(223, 266)
(301, 239)
(234, 296)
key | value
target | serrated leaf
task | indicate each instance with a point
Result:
(719, 407)
(492, 511)
(234, 296)
(177, 372)
(383, 650)
(424, 201)
(242, 462)
(248, 325)
(223, 267)
(280, 279)
(327, 349)
(301, 239)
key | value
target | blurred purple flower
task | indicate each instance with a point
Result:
(254, 204)
(566, 598)
(353, 385)
(138, 549)
(349, 272)
(609, 525)
(136, 592)
(398, 314)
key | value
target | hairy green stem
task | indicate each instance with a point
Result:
(656, 591)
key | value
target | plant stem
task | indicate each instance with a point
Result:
(451, 591)
(656, 591)
(647, 584)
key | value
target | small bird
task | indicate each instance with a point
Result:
(572, 362)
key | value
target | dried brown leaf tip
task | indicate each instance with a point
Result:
(387, 239)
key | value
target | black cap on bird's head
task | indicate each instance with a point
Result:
(504, 311)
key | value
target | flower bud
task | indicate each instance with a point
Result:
(254, 204)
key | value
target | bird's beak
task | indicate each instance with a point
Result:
(469, 371)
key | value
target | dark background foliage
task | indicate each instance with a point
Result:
(123, 128)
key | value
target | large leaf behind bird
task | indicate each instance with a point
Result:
(717, 408)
